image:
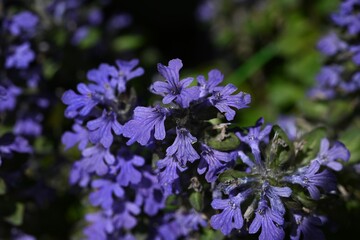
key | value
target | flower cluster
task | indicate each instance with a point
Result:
(255, 176)
(340, 75)
(271, 176)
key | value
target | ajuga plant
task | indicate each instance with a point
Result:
(32, 35)
(336, 98)
(21, 103)
(182, 169)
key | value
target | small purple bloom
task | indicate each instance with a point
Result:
(347, 17)
(80, 104)
(173, 89)
(288, 124)
(95, 16)
(10, 144)
(80, 136)
(330, 76)
(168, 170)
(126, 165)
(274, 194)
(21, 57)
(327, 156)
(17, 234)
(212, 162)
(215, 77)
(97, 159)
(223, 100)
(78, 175)
(79, 35)
(331, 44)
(22, 23)
(100, 129)
(255, 135)
(124, 214)
(30, 126)
(101, 226)
(269, 221)
(150, 194)
(146, 121)
(127, 70)
(119, 21)
(182, 147)
(231, 217)
(104, 193)
(8, 95)
(309, 178)
(306, 227)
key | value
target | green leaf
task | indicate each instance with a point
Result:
(280, 151)
(305, 200)
(210, 234)
(2, 187)
(230, 175)
(252, 65)
(309, 144)
(197, 201)
(17, 217)
(127, 42)
(230, 142)
(351, 139)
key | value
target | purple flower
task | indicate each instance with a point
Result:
(182, 147)
(127, 70)
(330, 76)
(288, 124)
(101, 226)
(80, 104)
(78, 175)
(95, 16)
(306, 227)
(17, 234)
(269, 221)
(10, 144)
(174, 89)
(327, 155)
(331, 44)
(80, 136)
(169, 230)
(150, 194)
(347, 17)
(126, 163)
(168, 171)
(191, 222)
(104, 193)
(102, 78)
(215, 77)
(119, 21)
(309, 178)
(22, 23)
(30, 126)
(255, 135)
(274, 194)
(353, 85)
(21, 57)
(80, 34)
(100, 129)
(124, 214)
(97, 159)
(231, 217)
(223, 100)
(8, 96)
(146, 121)
(212, 162)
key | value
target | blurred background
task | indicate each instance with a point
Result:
(265, 47)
